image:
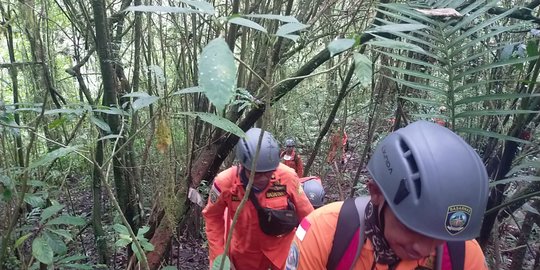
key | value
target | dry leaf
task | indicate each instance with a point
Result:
(440, 12)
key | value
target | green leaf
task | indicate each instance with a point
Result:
(492, 112)
(42, 251)
(363, 69)
(217, 262)
(521, 178)
(111, 136)
(289, 28)
(33, 200)
(121, 229)
(21, 240)
(147, 246)
(339, 45)
(287, 19)
(142, 231)
(100, 124)
(57, 122)
(506, 96)
(66, 111)
(217, 73)
(112, 110)
(418, 86)
(169, 268)
(292, 37)
(417, 74)
(201, 5)
(247, 23)
(523, 165)
(61, 232)
(50, 211)
(400, 27)
(122, 242)
(409, 60)
(489, 66)
(219, 122)
(532, 48)
(189, 90)
(67, 220)
(491, 134)
(143, 102)
(394, 44)
(142, 8)
(136, 251)
(51, 156)
(57, 245)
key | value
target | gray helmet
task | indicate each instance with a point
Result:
(435, 183)
(290, 143)
(314, 191)
(268, 154)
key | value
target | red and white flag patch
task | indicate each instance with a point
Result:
(302, 229)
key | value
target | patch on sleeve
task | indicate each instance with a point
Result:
(214, 193)
(302, 229)
(293, 258)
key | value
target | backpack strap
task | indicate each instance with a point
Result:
(349, 234)
(456, 251)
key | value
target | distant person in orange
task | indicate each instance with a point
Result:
(440, 121)
(428, 194)
(291, 158)
(266, 224)
(338, 142)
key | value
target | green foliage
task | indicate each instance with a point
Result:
(125, 239)
(217, 121)
(217, 73)
(217, 263)
(445, 62)
(339, 45)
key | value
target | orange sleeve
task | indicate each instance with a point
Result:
(213, 215)
(300, 200)
(313, 239)
(474, 257)
(299, 166)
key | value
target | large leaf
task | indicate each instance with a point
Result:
(491, 134)
(492, 112)
(290, 28)
(495, 65)
(218, 121)
(419, 86)
(190, 90)
(51, 156)
(67, 220)
(394, 44)
(142, 8)
(506, 96)
(42, 251)
(100, 123)
(55, 242)
(247, 23)
(201, 5)
(363, 69)
(143, 101)
(217, 73)
(287, 19)
(521, 178)
(417, 74)
(50, 211)
(421, 101)
(397, 28)
(217, 263)
(340, 45)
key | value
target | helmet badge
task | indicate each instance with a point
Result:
(457, 218)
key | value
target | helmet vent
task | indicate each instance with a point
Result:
(411, 162)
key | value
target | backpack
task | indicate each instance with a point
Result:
(349, 239)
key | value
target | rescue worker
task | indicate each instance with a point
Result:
(275, 187)
(338, 142)
(291, 158)
(314, 190)
(428, 191)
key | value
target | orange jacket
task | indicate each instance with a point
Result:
(251, 249)
(294, 161)
(313, 241)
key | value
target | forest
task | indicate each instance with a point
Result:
(116, 115)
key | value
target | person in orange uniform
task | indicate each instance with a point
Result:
(275, 186)
(292, 159)
(338, 142)
(428, 190)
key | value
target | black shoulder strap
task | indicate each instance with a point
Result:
(347, 224)
(456, 250)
